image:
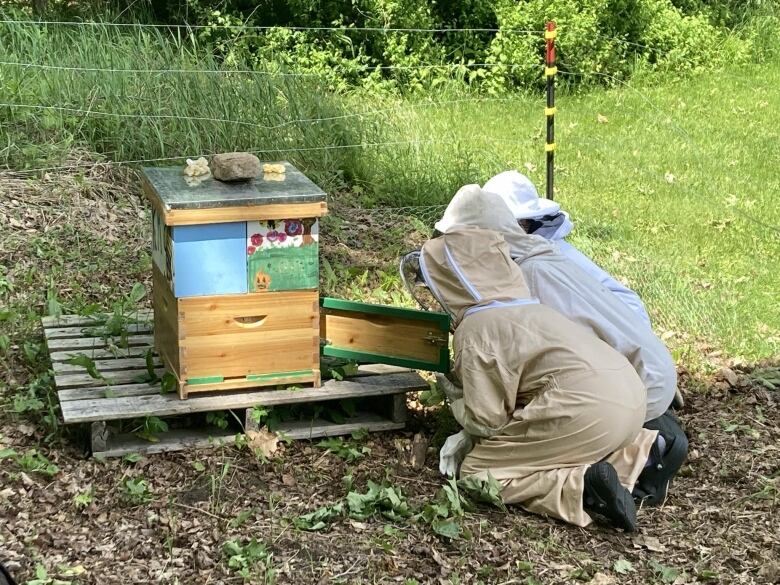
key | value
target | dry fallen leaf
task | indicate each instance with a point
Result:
(651, 543)
(602, 579)
(263, 442)
(602, 119)
(669, 177)
(530, 167)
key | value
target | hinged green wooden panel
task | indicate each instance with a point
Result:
(382, 334)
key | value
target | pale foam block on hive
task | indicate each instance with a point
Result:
(209, 259)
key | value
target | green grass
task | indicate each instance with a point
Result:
(702, 248)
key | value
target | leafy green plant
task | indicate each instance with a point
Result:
(87, 363)
(320, 519)
(27, 402)
(623, 567)
(241, 518)
(664, 573)
(218, 419)
(150, 376)
(53, 307)
(137, 491)
(346, 450)
(35, 462)
(250, 557)
(150, 428)
(42, 577)
(84, 499)
(168, 383)
(114, 328)
(434, 396)
(484, 490)
(446, 510)
(383, 499)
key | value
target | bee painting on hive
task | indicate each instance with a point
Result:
(282, 254)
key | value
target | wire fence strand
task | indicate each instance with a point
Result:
(242, 27)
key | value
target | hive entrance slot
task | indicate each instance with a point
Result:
(251, 321)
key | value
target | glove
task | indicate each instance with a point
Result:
(452, 453)
(452, 391)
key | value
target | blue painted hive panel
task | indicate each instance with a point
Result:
(209, 259)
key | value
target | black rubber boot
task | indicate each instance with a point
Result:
(604, 495)
(653, 483)
(5, 577)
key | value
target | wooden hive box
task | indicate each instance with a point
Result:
(236, 276)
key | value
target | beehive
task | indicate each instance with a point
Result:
(236, 274)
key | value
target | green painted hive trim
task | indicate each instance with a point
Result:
(205, 380)
(440, 319)
(264, 377)
(443, 364)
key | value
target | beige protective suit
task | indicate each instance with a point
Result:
(542, 396)
(560, 283)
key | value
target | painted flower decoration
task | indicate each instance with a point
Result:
(250, 250)
(281, 237)
(257, 240)
(272, 236)
(293, 227)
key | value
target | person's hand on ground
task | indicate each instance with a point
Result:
(452, 391)
(452, 453)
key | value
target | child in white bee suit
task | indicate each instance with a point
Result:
(545, 218)
(550, 411)
(559, 283)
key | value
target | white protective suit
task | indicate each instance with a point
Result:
(560, 283)
(542, 398)
(521, 197)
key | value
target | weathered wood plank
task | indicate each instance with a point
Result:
(180, 439)
(64, 381)
(77, 411)
(85, 343)
(97, 392)
(84, 320)
(321, 428)
(124, 390)
(105, 366)
(70, 332)
(100, 353)
(175, 440)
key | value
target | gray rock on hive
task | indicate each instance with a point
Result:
(234, 166)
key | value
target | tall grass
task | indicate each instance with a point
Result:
(201, 108)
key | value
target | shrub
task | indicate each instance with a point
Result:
(608, 37)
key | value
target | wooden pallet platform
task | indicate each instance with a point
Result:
(120, 395)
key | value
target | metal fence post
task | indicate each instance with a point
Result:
(549, 72)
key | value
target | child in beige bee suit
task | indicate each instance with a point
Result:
(549, 410)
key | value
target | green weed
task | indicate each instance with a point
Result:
(84, 499)
(36, 462)
(250, 558)
(137, 491)
(346, 450)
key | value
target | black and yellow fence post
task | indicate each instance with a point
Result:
(549, 72)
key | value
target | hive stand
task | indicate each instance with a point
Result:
(119, 395)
